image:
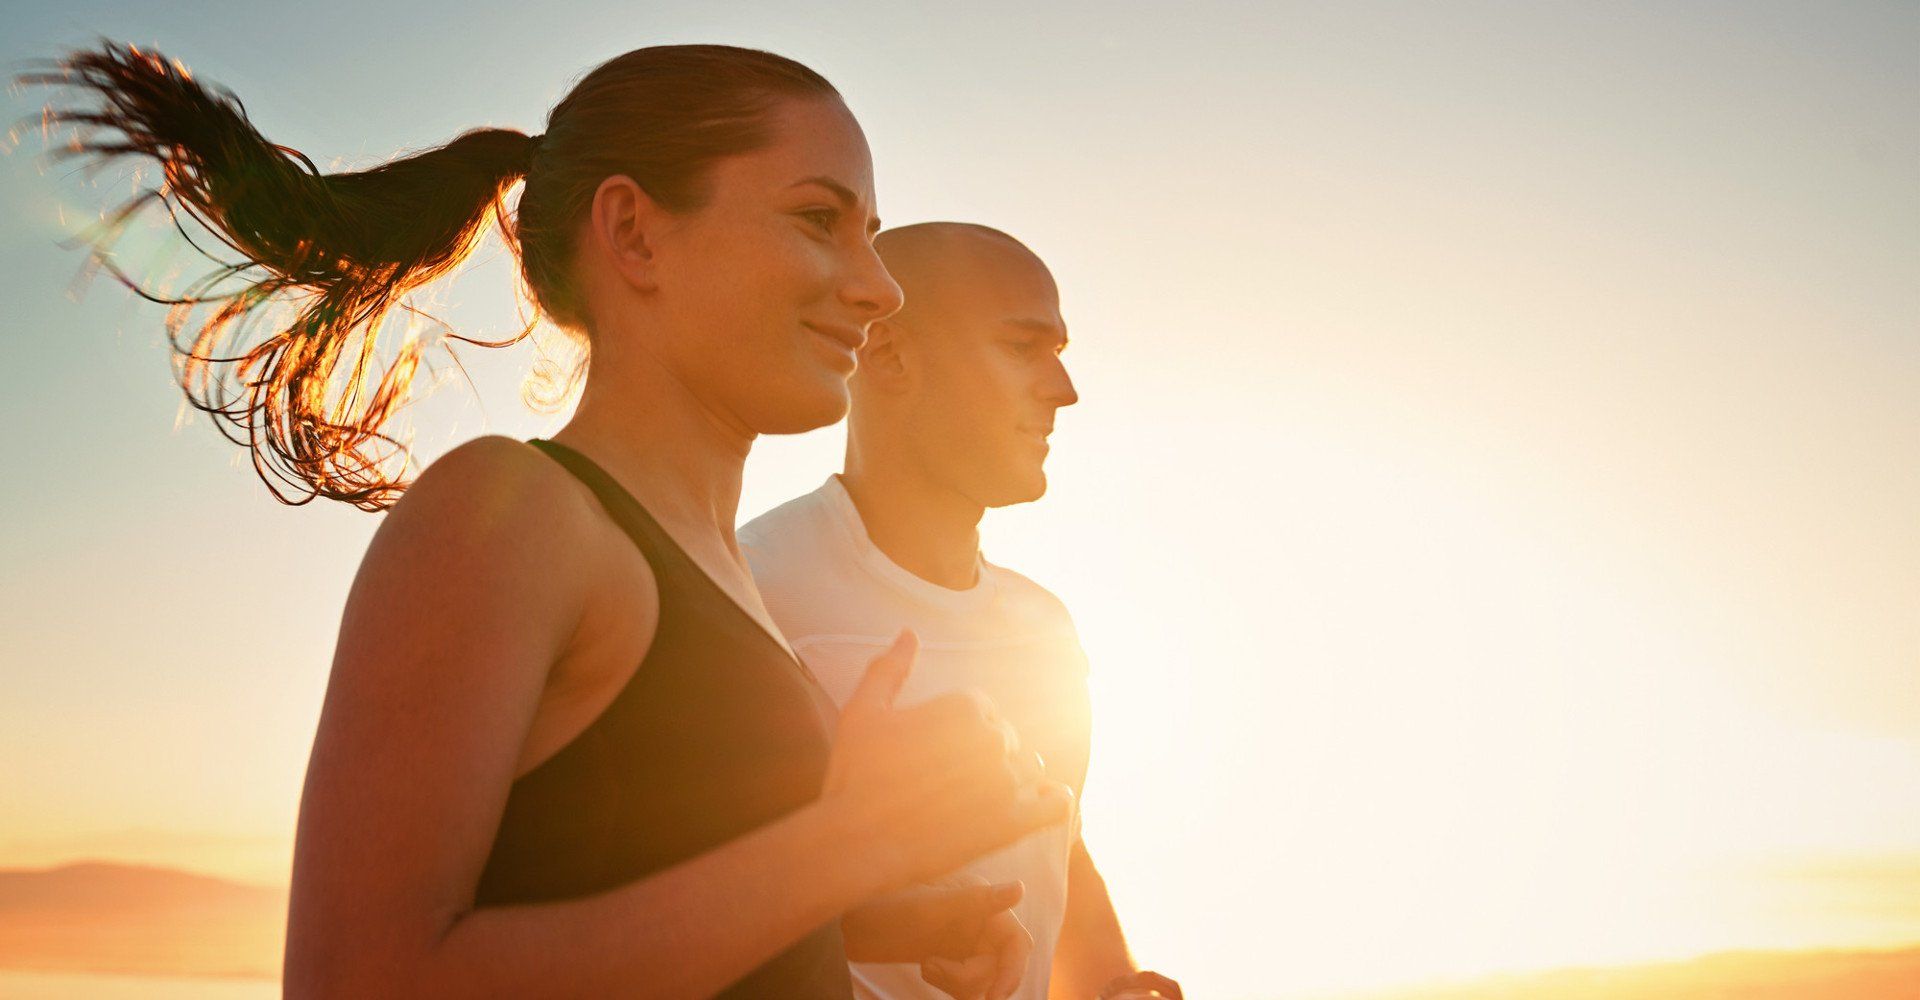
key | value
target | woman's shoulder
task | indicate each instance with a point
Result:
(503, 497)
(496, 481)
(495, 531)
(507, 467)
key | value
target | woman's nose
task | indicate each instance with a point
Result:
(871, 290)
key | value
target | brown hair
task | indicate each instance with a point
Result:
(309, 398)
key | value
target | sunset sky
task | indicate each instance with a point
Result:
(1492, 515)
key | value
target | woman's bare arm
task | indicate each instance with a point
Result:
(472, 590)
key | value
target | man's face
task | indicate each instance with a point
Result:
(988, 380)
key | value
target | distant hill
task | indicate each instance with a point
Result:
(1760, 975)
(107, 917)
(140, 920)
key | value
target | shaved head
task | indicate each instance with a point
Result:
(946, 267)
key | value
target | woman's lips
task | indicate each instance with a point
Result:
(841, 342)
(851, 337)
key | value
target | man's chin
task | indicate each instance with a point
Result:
(1025, 489)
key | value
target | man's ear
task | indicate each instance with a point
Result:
(624, 225)
(882, 364)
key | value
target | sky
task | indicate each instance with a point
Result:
(1492, 514)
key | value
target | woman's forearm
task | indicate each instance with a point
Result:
(688, 931)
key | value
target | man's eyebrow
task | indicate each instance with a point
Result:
(1040, 326)
(840, 191)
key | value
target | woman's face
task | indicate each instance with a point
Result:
(764, 294)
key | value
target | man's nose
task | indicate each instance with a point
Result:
(1058, 390)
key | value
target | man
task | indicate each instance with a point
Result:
(953, 400)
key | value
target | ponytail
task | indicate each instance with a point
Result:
(310, 399)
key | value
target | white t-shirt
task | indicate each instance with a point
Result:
(841, 601)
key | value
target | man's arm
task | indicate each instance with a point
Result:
(1092, 952)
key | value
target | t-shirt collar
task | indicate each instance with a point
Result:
(847, 516)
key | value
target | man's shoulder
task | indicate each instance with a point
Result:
(782, 525)
(788, 539)
(1028, 593)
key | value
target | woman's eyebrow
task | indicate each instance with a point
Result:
(848, 200)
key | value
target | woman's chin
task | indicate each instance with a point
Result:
(800, 411)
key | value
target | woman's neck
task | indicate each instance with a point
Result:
(681, 458)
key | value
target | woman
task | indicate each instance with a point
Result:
(563, 750)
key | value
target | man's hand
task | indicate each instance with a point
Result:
(1142, 986)
(990, 965)
(967, 941)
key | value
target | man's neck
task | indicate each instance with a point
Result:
(927, 529)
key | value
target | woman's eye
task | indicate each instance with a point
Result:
(821, 218)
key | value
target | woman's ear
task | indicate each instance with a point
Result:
(881, 363)
(624, 226)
